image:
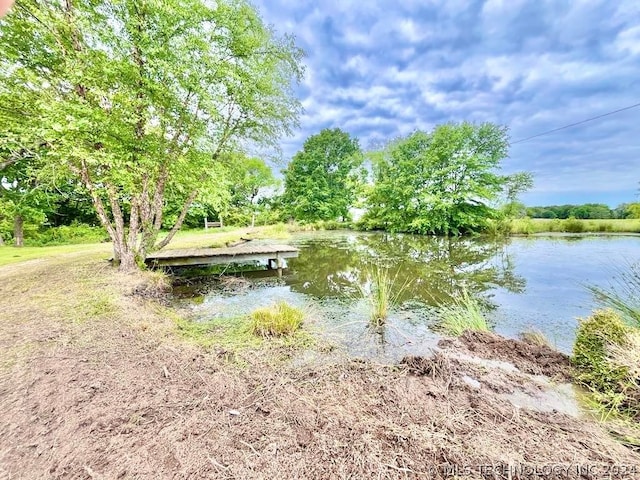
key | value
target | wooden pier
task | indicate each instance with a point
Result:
(273, 255)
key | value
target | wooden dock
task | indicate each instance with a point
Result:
(273, 255)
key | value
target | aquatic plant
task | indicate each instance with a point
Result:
(463, 313)
(276, 320)
(381, 293)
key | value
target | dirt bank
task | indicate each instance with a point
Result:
(528, 357)
(94, 384)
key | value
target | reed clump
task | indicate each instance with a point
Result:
(276, 320)
(462, 314)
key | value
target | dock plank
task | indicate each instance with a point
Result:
(213, 256)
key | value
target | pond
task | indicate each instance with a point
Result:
(535, 283)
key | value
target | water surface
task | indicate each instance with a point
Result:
(525, 283)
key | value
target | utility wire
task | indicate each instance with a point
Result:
(577, 123)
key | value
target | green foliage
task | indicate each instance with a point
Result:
(121, 110)
(586, 211)
(528, 226)
(573, 225)
(381, 292)
(597, 335)
(66, 235)
(277, 320)
(524, 226)
(632, 210)
(248, 178)
(623, 296)
(463, 313)
(442, 182)
(322, 180)
(515, 185)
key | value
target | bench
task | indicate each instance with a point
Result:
(208, 224)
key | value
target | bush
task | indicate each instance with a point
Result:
(590, 352)
(67, 234)
(572, 225)
(276, 320)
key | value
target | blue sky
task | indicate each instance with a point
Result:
(380, 69)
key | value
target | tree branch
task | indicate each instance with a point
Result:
(165, 241)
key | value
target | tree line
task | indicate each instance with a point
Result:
(591, 211)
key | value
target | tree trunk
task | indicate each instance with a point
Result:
(1, 241)
(127, 262)
(18, 230)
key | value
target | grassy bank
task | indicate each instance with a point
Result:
(184, 239)
(529, 226)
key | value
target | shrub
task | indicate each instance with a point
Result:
(67, 234)
(276, 320)
(596, 334)
(464, 313)
(604, 227)
(573, 225)
(555, 225)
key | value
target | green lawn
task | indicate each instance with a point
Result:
(185, 239)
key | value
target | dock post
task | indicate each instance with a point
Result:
(280, 263)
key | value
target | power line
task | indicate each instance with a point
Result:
(577, 123)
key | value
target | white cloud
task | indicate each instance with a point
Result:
(382, 69)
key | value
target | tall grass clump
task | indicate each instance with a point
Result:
(463, 313)
(276, 320)
(381, 293)
(522, 226)
(606, 356)
(535, 337)
(623, 296)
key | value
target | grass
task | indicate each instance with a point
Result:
(248, 332)
(535, 337)
(276, 320)
(528, 226)
(464, 313)
(183, 239)
(381, 293)
(623, 296)
(10, 254)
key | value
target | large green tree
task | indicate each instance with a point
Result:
(321, 181)
(249, 179)
(139, 98)
(440, 182)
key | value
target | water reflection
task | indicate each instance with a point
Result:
(426, 269)
(332, 266)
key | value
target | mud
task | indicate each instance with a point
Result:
(527, 357)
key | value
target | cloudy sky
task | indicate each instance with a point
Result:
(379, 69)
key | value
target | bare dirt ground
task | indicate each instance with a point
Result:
(95, 384)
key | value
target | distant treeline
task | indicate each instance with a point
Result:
(587, 211)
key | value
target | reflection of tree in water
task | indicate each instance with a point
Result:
(431, 269)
